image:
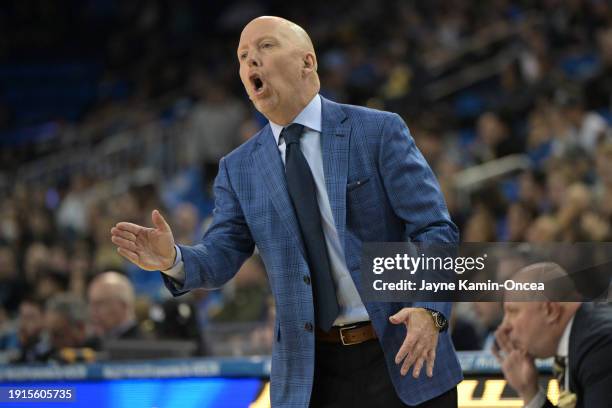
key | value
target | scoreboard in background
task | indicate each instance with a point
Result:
(225, 382)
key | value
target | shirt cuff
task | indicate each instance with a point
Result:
(538, 401)
(177, 271)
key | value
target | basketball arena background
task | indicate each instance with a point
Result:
(109, 109)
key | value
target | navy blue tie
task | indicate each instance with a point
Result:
(303, 193)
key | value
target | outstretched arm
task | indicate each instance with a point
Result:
(210, 263)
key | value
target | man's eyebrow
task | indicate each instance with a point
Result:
(258, 40)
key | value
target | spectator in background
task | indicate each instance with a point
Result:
(532, 189)
(214, 123)
(50, 282)
(9, 221)
(12, 286)
(520, 216)
(111, 307)
(8, 333)
(66, 325)
(545, 228)
(480, 226)
(39, 226)
(247, 300)
(36, 257)
(603, 189)
(588, 128)
(72, 213)
(31, 323)
(496, 138)
(599, 87)
(187, 221)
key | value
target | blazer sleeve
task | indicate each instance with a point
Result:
(414, 193)
(224, 247)
(595, 373)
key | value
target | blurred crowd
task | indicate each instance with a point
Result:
(476, 82)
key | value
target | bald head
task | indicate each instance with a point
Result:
(535, 324)
(278, 67)
(113, 285)
(111, 301)
(292, 32)
(558, 286)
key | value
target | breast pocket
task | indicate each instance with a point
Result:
(363, 202)
(357, 184)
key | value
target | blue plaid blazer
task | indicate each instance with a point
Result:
(398, 199)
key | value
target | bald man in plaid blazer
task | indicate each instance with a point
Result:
(372, 185)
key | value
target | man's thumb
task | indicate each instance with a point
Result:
(159, 221)
(401, 316)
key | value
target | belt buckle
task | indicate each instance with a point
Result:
(341, 330)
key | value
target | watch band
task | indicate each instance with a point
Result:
(439, 320)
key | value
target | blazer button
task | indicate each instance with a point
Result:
(307, 279)
(308, 326)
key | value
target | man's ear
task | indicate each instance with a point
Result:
(553, 311)
(309, 62)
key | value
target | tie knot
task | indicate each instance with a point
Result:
(292, 133)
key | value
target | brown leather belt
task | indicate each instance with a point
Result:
(347, 335)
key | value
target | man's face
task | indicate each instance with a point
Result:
(61, 333)
(30, 322)
(525, 324)
(106, 310)
(270, 66)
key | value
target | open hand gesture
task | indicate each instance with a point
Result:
(419, 347)
(151, 249)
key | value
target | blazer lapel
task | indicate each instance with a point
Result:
(575, 339)
(270, 169)
(335, 137)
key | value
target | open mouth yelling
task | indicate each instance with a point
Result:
(257, 84)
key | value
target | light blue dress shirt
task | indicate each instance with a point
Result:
(351, 307)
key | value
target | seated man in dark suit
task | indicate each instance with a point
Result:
(111, 307)
(578, 335)
(66, 327)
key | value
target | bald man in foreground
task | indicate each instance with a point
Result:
(309, 189)
(578, 335)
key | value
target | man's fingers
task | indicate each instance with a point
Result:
(502, 341)
(123, 234)
(496, 353)
(129, 255)
(413, 356)
(159, 221)
(401, 316)
(431, 360)
(128, 226)
(416, 371)
(124, 243)
(406, 347)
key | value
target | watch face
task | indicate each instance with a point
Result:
(440, 320)
(443, 322)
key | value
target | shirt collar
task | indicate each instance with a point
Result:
(310, 117)
(563, 347)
